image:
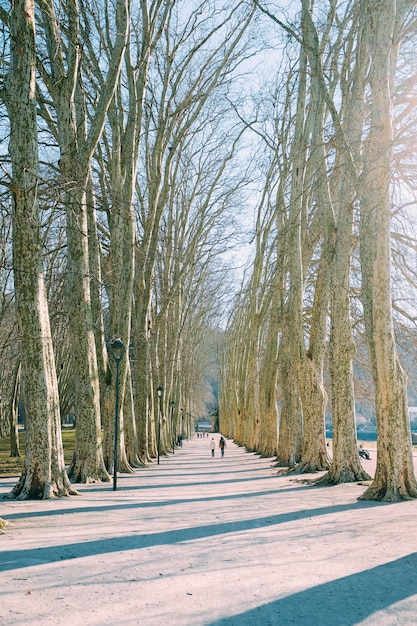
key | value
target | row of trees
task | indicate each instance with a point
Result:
(338, 140)
(119, 184)
(126, 170)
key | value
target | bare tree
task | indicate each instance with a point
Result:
(117, 164)
(394, 477)
(199, 52)
(346, 465)
(44, 474)
(195, 230)
(62, 77)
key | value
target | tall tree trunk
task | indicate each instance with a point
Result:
(290, 439)
(94, 252)
(314, 397)
(346, 466)
(394, 477)
(293, 358)
(44, 473)
(267, 431)
(77, 142)
(87, 464)
(142, 327)
(337, 247)
(120, 278)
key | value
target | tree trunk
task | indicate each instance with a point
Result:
(314, 456)
(44, 473)
(290, 433)
(144, 399)
(267, 431)
(94, 251)
(87, 464)
(13, 412)
(293, 356)
(346, 465)
(394, 477)
(77, 144)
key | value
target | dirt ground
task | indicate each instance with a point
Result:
(209, 541)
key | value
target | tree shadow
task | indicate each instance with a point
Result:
(16, 559)
(193, 483)
(145, 505)
(342, 602)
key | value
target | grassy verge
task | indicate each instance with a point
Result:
(11, 466)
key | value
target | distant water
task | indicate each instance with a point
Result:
(362, 436)
(365, 436)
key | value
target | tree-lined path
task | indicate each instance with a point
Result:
(198, 541)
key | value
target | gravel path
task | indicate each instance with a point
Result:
(209, 541)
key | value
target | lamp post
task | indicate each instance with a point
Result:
(118, 350)
(172, 426)
(159, 391)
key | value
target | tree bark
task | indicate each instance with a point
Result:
(394, 477)
(44, 473)
(13, 411)
(290, 439)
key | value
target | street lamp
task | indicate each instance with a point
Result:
(118, 350)
(172, 426)
(159, 391)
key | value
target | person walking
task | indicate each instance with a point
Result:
(212, 446)
(222, 445)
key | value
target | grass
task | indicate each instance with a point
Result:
(12, 466)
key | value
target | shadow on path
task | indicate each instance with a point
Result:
(16, 559)
(194, 483)
(146, 505)
(342, 602)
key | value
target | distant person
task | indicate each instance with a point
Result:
(212, 446)
(364, 453)
(222, 445)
